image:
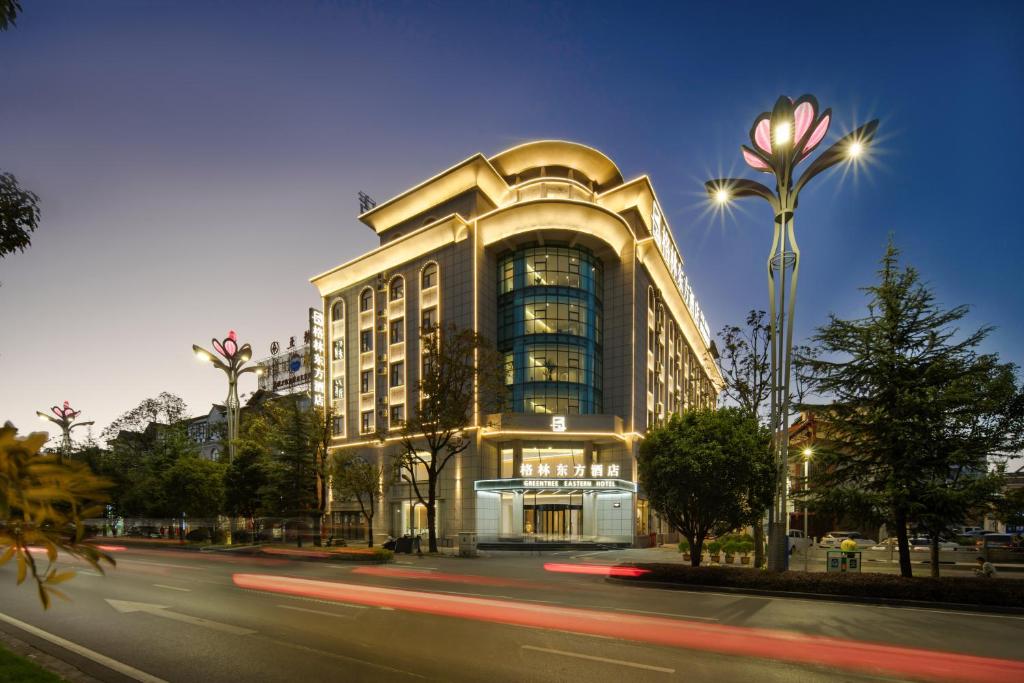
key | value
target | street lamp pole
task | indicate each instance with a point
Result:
(236, 357)
(64, 417)
(807, 541)
(781, 139)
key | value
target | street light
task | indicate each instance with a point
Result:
(782, 138)
(808, 453)
(236, 358)
(64, 417)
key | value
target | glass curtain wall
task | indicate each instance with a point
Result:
(549, 329)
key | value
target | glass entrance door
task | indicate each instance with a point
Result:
(553, 521)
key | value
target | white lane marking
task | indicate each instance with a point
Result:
(127, 607)
(413, 567)
(489, 595)
(666, 614)
(172, 588)
(344, 658)
(606, 660)
(387, 609)
(158, 564)
(321, 612)
(947, 611)
(88, 572)
(112, 664)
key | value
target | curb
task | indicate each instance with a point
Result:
(889, 602)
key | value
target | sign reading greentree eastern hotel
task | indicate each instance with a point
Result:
(573, 273)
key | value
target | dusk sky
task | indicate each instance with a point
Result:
(198, 162)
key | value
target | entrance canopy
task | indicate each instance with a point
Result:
(560, 485)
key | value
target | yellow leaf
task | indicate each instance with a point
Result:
(22, 568)
(44, 597)
(60, 577)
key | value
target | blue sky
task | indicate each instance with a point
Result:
(198, 162)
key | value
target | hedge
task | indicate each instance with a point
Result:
(959, 590)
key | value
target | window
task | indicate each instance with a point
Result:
(366, 341)
(366, 300)
(397, 374)
(339, 425)
(510, 368)
(397, 289)
(366, 381)
(339, 349)
(367, 422)
(507, 271)
(397, 415)
(397, 331)
(429, 277)
(338, 311)
(429, 318)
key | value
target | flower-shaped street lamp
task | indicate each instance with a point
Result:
(235, 357)
(781, 139)
(64, 417)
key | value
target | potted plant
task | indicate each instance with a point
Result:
(714, 548)
(746, 547)
(729, 548)
(684, 548)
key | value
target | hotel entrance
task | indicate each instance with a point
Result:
(553, 521)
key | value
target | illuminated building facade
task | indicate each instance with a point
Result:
(573, 273)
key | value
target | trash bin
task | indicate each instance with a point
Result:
(467, 544)
(403, 544)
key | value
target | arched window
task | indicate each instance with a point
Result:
(338, 311)
(366, 299)
(397, 288)
(429, 276)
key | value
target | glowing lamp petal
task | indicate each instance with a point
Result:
(230, 346)
(763, 137)
(803, 116)
(818, 134)
(754, 161)
(232, 336)
(57, 411)
(219, 349)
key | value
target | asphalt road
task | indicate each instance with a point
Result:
(184, 616)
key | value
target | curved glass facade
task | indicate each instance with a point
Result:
(549, 329)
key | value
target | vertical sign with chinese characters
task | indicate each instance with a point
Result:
(317, 380)
(662, 234)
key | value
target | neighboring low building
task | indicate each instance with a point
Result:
(574, 273)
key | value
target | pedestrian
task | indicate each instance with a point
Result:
(985, 568)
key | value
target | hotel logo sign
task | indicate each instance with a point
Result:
(558, 423)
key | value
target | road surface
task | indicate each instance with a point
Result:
(166, 615)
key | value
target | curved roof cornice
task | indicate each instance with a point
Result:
(587, 160)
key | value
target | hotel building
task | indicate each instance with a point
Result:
(574, 275)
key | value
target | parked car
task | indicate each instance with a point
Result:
(917, 543)
(797, 542)
(994, 541)
(834, 539)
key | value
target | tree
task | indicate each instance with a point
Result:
(744, 363)
(916, 412)
(707, 472)
(9, 11)
(44, 502)
(366, 483)
(245, 482)
(323, 432)
(1010, 508)
(285, 428)
(195, 487)
(745, 367)
(457, 363)
(165, 409)
(982, 416)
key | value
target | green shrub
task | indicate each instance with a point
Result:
(730, 547)
(243, 536)
(746, 547)
(684, 546)
(714, 547)
(952, 589)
